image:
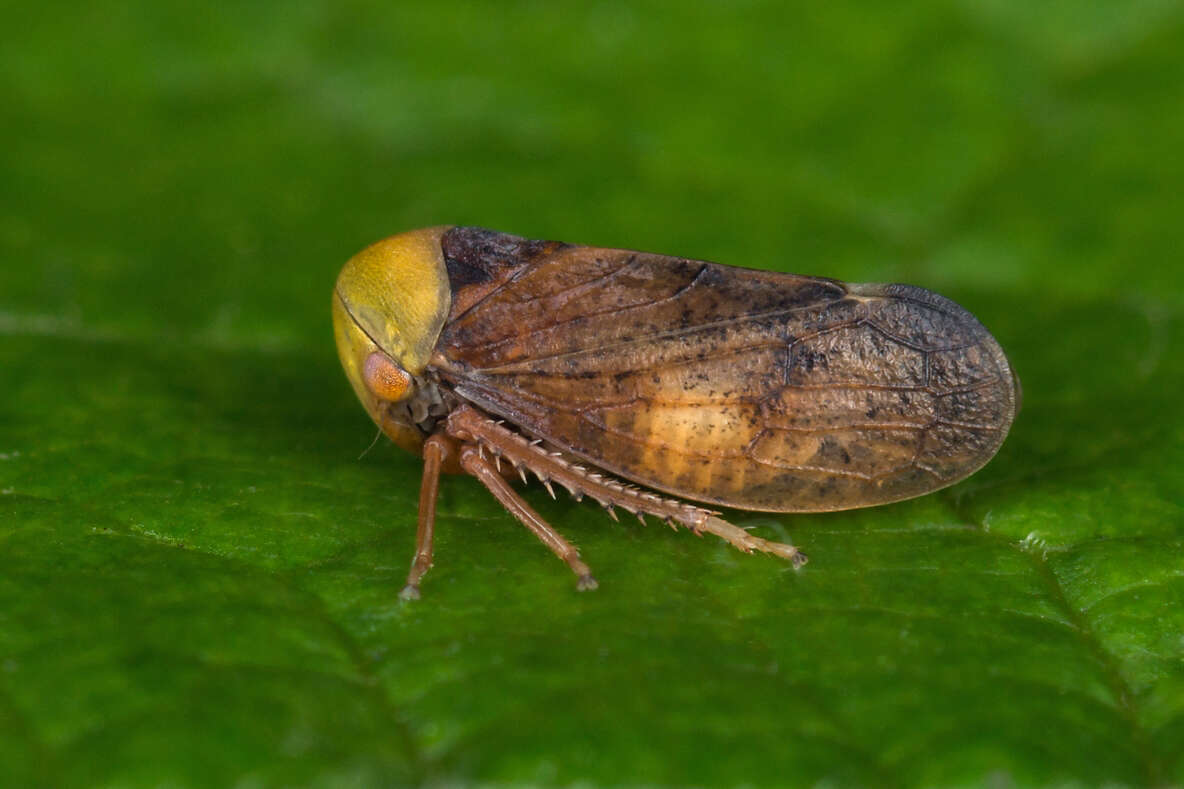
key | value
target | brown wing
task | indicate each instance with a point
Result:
(736, 387)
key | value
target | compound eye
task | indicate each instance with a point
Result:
(385, 379)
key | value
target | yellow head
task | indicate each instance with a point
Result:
(389, 306)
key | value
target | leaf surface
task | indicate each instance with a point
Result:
(199, 576)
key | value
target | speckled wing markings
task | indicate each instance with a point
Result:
(742, 388)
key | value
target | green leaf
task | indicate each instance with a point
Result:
(199, 575)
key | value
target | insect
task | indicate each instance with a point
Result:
(643, 380)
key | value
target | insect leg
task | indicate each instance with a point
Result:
(466, 424)
(474, 463)
(748, 543)
(435, 450)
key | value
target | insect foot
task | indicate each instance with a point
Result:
(748, 543)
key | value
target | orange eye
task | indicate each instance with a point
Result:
(385, 379)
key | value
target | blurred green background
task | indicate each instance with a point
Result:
(198, 576)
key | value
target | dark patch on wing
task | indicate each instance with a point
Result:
(480, 261)
(474, 255)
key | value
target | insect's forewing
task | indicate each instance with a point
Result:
(743, 388)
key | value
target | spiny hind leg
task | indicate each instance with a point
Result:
(471, 426)
(473, 461)
(747, 542)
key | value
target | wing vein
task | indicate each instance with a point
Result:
(673, 334)
(559, 325)
(529, 367)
